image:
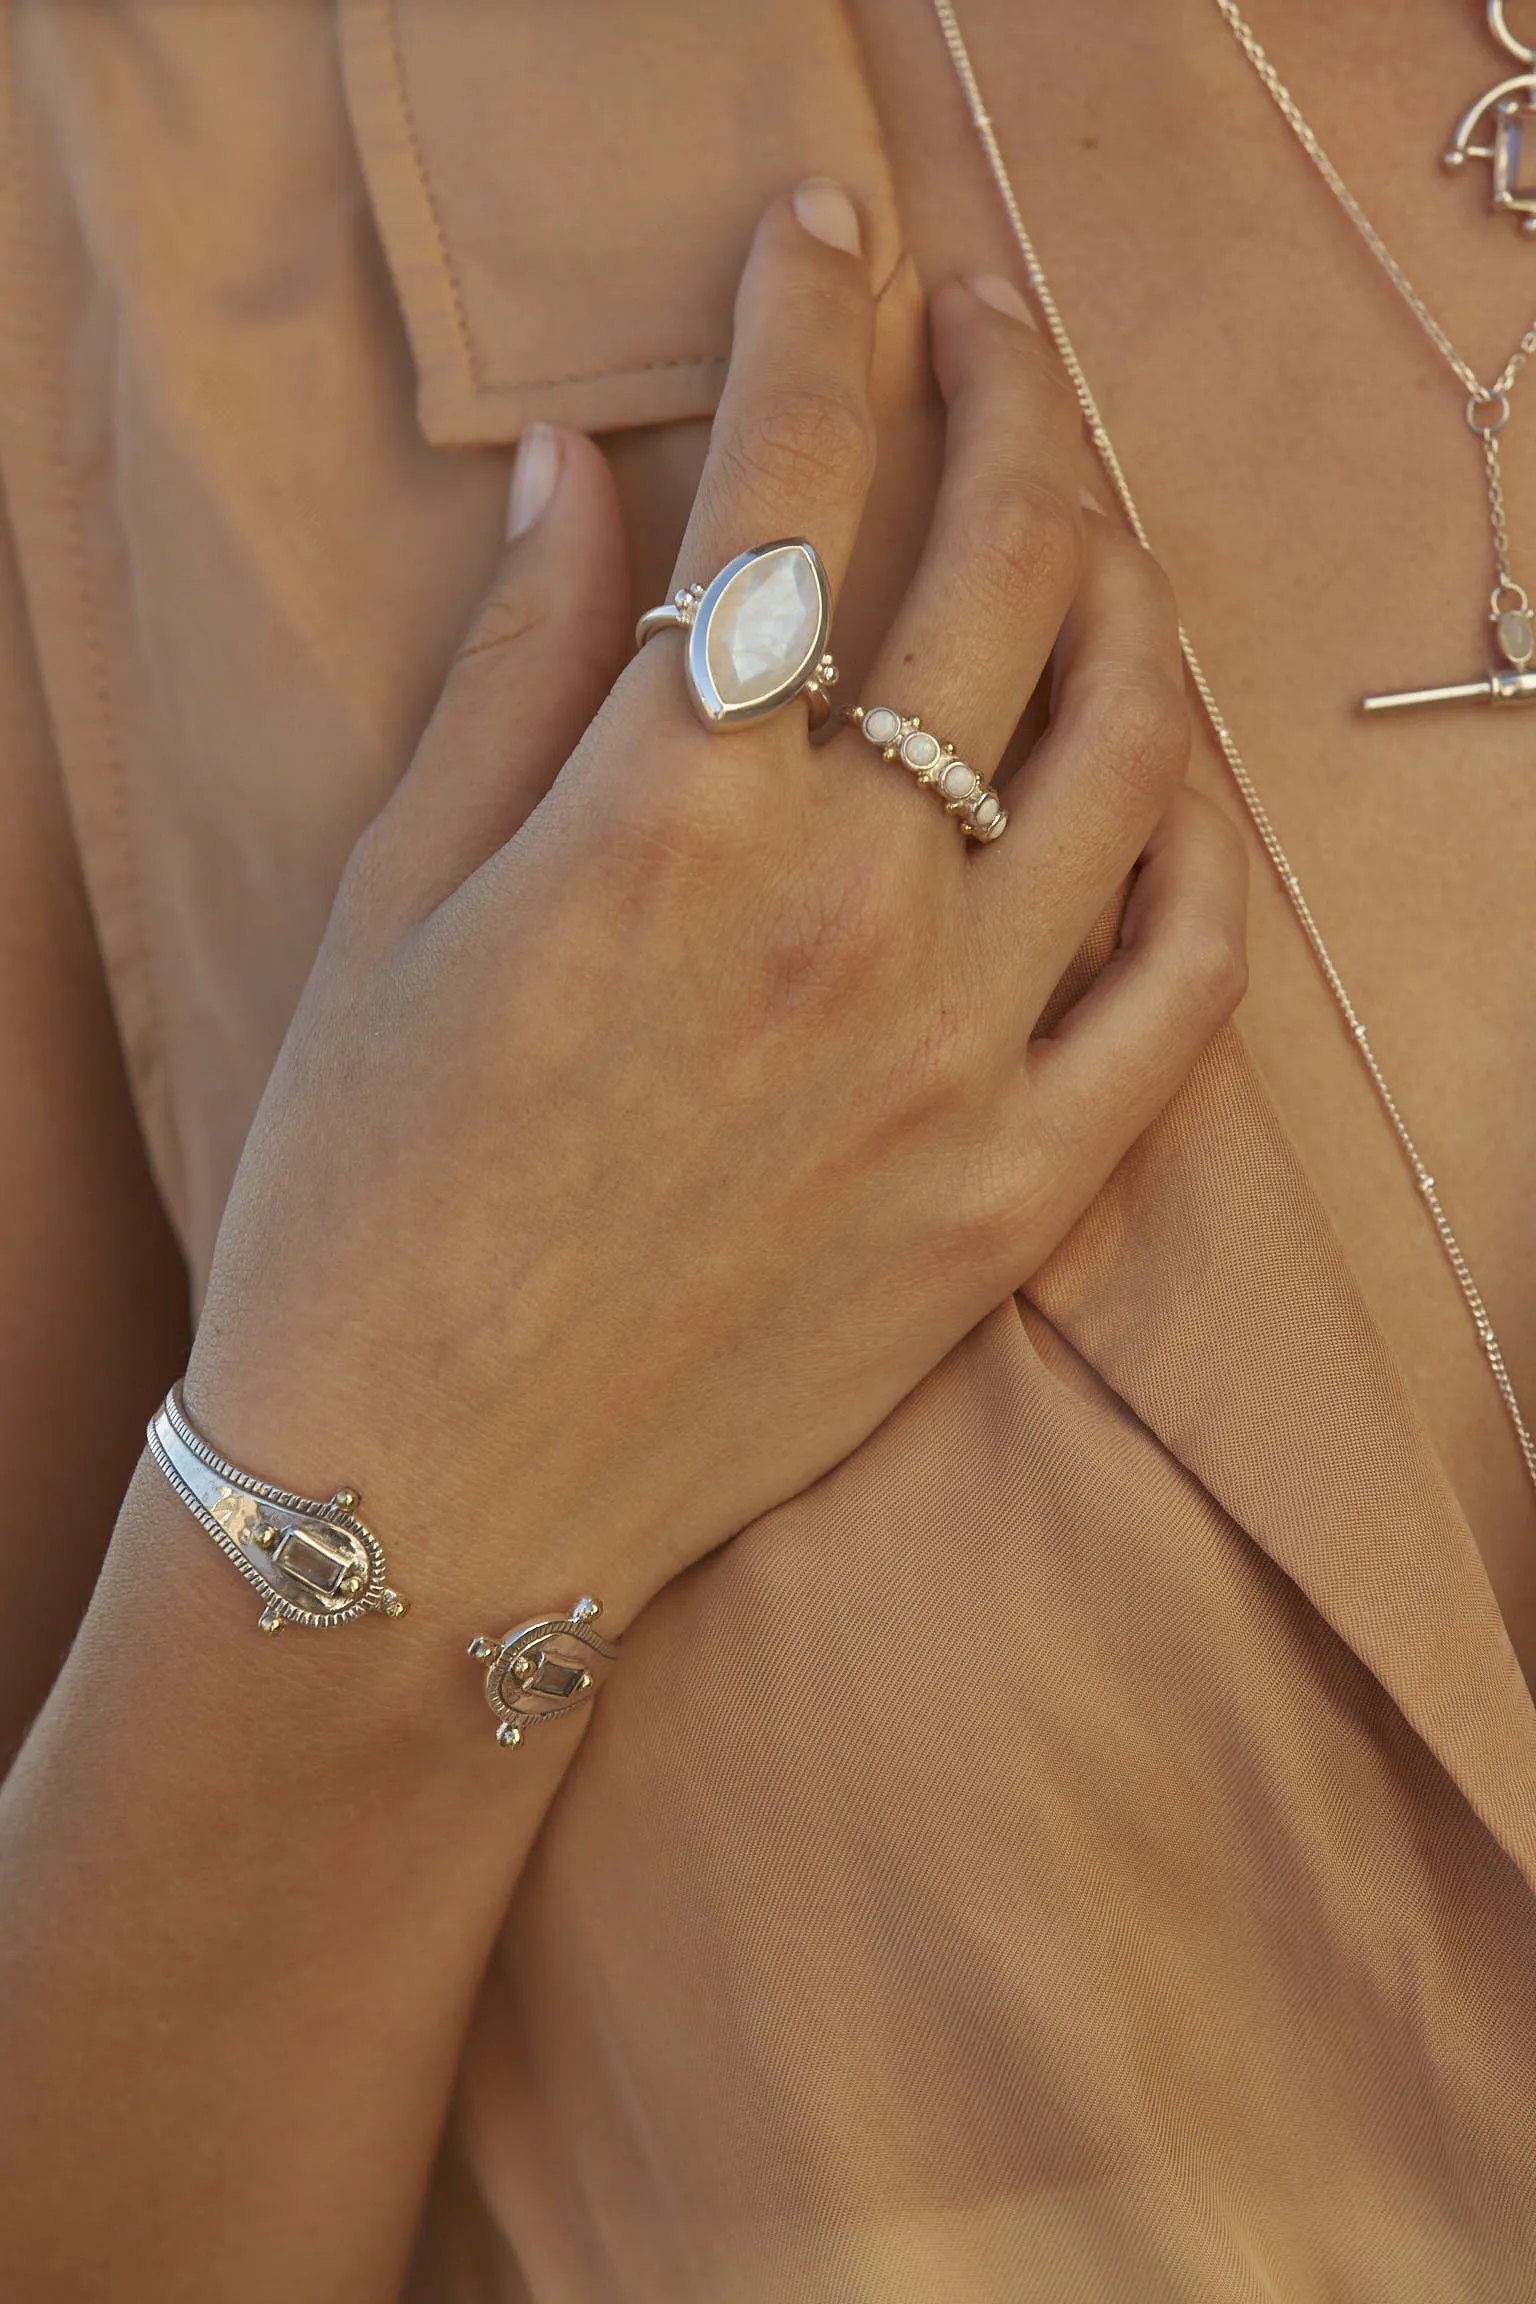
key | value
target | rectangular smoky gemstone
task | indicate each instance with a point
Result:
(553, 1679)
(311, 1562)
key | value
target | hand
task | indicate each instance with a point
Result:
(664, 1104)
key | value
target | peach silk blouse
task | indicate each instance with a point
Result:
(1084, 1848)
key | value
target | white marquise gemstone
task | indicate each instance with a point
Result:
(764, 627)
(920, 750)
(882, 725)
(958, 781)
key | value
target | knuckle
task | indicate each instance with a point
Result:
(366, 891)
(1213, 969)
(998, 1216)
(513, 613)
(1143, 732)
(806, 439)
(1025, 542)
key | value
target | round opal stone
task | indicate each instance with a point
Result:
(920, 750)
(997, 827)
(882, 725)
(958, 781)
(764, 628)
(984, 810)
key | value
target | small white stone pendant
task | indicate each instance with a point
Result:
(758, 633)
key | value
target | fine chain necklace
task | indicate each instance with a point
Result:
(1510, 109)
(1242, 776)
(1487, 413)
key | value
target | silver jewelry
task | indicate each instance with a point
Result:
(1487, 406)
(1507, 108)
(313, 1563)
(966, 795)
(757, 634)
(542, 1671)
(1242, 775)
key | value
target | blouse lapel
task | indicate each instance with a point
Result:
(1207, 1287)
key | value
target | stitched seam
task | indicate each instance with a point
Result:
(428, 197)
(137, 952)
(603, 375)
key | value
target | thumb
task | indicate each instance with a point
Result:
(544, 650)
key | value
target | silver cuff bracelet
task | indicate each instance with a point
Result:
(312, 1563)
(317, 1564)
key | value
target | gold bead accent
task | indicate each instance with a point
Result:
(271, 1621)
(395, 1603)
(344, 1500)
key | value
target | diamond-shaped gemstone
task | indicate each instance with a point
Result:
(553, 1678)
(764, 627)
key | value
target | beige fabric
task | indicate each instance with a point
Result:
(1084, 1848)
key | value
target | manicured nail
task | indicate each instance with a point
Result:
(1002, 295)
(828, 214)
(535, 471)
(1090, 503)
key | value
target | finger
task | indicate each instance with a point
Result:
(1084, 803)
(1094, 1084)
(1004, 552)
(543, 651)
(791, 452)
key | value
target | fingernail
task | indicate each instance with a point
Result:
(827, 213)
(1002, 295)
(535, 470)
(1090, 503)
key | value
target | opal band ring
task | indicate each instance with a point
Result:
(966, 796)
(757, 635)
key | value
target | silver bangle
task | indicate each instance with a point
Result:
(317, 1564)
(313, 1563)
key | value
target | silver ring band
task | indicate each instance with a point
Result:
(965, 795)
(757, 635)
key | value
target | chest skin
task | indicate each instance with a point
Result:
(1301, 458)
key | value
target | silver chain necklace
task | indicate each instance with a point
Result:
(1487, 411)
(1241, 775)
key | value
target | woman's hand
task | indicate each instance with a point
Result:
(664, 1104)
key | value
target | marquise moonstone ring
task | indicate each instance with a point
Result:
(757, 635)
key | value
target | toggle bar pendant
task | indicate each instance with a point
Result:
(1512, 682)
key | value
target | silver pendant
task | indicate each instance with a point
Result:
(1512, 682)
(1506, 110)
